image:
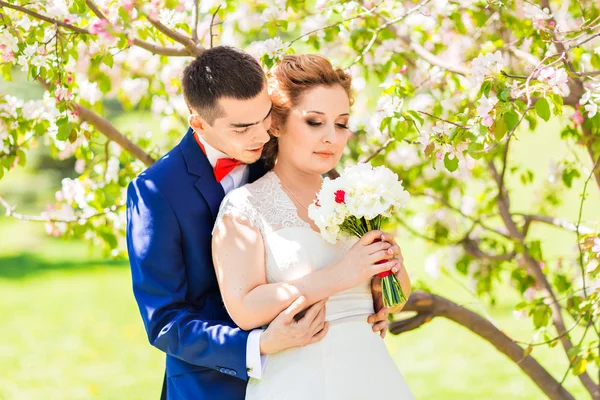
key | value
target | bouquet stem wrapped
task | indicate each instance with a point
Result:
(358, 202)
(391, 290)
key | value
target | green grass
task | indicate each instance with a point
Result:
(71, 328)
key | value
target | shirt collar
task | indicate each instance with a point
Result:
(211, 153)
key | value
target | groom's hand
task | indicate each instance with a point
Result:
(285, 332)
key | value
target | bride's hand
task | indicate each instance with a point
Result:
(360, 262)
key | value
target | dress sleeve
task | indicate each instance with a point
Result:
(238, 204)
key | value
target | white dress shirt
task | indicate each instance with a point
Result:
(255, 362)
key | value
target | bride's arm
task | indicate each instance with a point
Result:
(239, 260)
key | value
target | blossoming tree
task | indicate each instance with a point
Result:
(455, 82)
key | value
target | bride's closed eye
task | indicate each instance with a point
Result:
(313, 123)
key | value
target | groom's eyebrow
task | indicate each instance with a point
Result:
(253, 123)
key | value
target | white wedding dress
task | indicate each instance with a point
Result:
(351, 362)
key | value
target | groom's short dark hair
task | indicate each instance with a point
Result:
(221, 71)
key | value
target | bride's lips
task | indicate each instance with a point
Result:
(324, 154)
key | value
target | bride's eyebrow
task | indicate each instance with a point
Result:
(322, 113)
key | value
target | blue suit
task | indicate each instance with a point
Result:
(171, 209)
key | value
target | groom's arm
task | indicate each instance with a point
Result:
(159, 279)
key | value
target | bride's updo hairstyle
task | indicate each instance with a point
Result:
(288, 80)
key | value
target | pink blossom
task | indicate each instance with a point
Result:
(128, 5)
(596, 247)
(404, 69)
(577, 118)
(539, 24)
(8, 56)
(439, 155)
(487, 121)
(529, 294)
(552, 24)
(63, 94)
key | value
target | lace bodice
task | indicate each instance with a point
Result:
(292, 248)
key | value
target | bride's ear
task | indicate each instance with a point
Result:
(273, 131)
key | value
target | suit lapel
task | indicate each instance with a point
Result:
(198, 165)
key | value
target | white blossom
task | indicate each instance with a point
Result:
(89, 91)
(484, 64)
(486, 105)
(273, 48)
(135, 89)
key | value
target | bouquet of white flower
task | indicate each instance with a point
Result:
(356, 203)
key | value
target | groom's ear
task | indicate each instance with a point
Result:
(197, 123)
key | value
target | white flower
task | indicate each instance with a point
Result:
(73, 191)
(112, 170)
(135, 89)
(360, 191)
(57, 9)
(273, 48)
(484, 64)
(432, 266)
(586, 96)
(39, 61)
(592, 109)
(557, 79)
(89, 91)
(486, 105)
(389, 105)
(9, 42)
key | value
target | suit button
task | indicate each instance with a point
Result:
(233, 373)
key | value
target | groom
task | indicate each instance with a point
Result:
(171, 209)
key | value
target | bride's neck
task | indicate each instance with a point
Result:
(296, 179)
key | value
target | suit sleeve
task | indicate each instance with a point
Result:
(159, 279)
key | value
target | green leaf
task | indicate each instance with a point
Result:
(541, 317)
(543, 109)
(108, 60)
(22, 158)
(64, 131)
(504, 95)
(272, 28)
(511, 119)
(450, 164)
(568, 175)
(580, 366)
(486, 87)
(1, 171)
(7, 72)
(499, 128)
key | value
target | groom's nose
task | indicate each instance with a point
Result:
(262, 135)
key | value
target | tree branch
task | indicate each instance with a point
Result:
(153, 48)
(429, 306)
(44, 18)
(534, 266)
(196, 17)
(108, 130)
(187, 42)
(425, 54)
(558, 222)
(212, 24)
(10, 212)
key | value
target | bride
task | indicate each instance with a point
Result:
(267, 252)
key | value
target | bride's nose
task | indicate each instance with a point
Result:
(328, 134)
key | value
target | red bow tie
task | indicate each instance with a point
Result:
(224, 165)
